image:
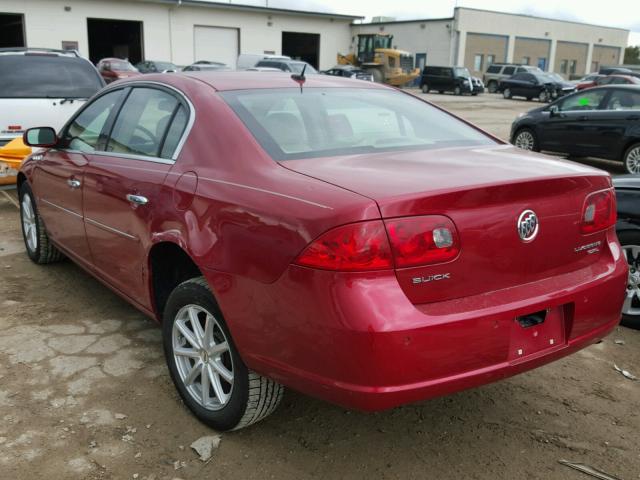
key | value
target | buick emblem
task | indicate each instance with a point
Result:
(528, 225)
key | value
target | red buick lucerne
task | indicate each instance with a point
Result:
(338, 237)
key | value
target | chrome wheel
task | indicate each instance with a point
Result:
(525, 140)
(632, 160)
(29, 223)
(631, 305)
(202, 356)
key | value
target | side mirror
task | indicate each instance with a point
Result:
(553, 110)
(40, 137)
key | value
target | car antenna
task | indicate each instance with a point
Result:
(300, 78)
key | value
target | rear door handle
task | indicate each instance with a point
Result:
(137, 199)
(73, 183)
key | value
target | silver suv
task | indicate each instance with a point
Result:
(499, 71)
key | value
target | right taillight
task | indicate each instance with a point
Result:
(598, 212)
(423, 240)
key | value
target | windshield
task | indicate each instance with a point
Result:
(46, 76)
(122, 66)
(341, 121)
(546, 77)
(461, 72)
(296, 67)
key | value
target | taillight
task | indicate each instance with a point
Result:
(598, 212)
(354, 247)
(422, 240)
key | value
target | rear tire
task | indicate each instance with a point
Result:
(36, 241)
(630, 241)
(425, 88)
(631, 159)
(492, 86)
(205, 366)
(377, 75)
(507, 93)
(457, 91)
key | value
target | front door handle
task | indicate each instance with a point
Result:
(137, 199)
(73, 183)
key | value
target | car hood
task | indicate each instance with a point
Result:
(387, 176)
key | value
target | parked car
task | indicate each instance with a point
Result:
(153, 66)
(618, 80)
(42, 86)
(598, 122)
(113, 69)
(446, 79)
(359, 240)
(249, 60)
(207, 66)
(293, 66)
(588, 81)
(628, 230)
(349, 71)
(540, 85)
(497, 72)
(262, 69)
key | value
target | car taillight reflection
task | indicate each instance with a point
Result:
(598, 212)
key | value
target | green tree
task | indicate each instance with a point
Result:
(632, 55)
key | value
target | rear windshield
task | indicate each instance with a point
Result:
(122, 66)
(40, 76)
(318, 122)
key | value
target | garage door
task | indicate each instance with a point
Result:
(216, 44)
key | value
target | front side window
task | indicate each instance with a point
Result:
(83, 134)
(624, 100)
(142, 122)
(340, 121)
(508, 70)
(589, 100)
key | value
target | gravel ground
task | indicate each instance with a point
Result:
(84, 393)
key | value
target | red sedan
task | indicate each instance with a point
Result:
(338, 237)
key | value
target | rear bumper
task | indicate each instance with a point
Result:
(356, 340)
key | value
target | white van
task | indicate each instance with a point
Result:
(249, 60)
(42, 87)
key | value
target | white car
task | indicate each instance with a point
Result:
(42, 87)
(249, 60)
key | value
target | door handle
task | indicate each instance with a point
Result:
(73, 183)
(137, 199)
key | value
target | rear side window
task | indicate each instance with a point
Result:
(509, 70)
(84, 132)
(175, 131)
(47, 76)
(624, 100)
(494, 69)
(142, 122)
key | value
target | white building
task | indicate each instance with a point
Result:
(181, 31)
(476, 38)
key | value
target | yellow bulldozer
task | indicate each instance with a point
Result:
(376, 55)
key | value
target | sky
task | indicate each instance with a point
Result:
(610, 13)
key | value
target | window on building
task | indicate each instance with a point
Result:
(573, 64)
(542, 63)
(478, 60)
(563, 66)
(491, 59)
(525, 60)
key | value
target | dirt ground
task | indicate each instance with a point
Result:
(84, 393)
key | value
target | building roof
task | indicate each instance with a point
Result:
(240, 6)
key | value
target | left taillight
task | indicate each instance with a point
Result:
(354, 247)
(598, 212)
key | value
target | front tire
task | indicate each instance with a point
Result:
(205, 366)
(457, 91)
(425, 88)
(631, 159)
(507, 93)
(526, 139)
(492, 86)
(630, 241)
(543, 96)
(36, 241)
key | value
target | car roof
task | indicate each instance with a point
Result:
(40, 51)
(249, 80)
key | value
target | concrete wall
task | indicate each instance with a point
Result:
(431, 37)
(483, 44)
(570, 51)
(169, 29)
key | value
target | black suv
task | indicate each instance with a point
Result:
(447, 79)
(501, 71)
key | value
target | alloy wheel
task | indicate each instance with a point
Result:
(631, 305)
(525, 140)
(202, 356)
(29, 223)
(632, 161)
